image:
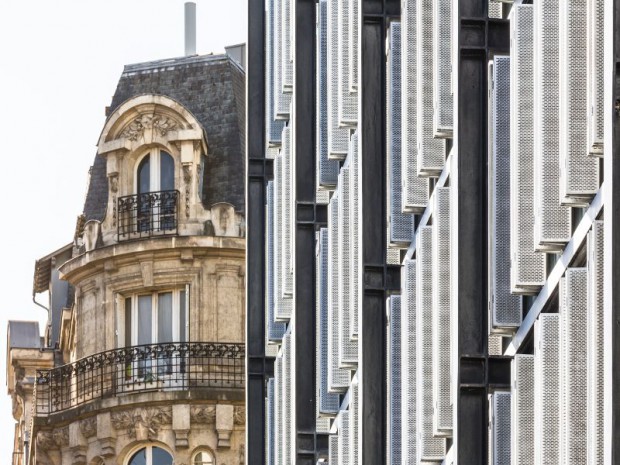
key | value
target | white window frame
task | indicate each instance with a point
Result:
(203, 450)
(154, 169)
(149, 453)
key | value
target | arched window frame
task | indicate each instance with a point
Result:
(155, 155)
(149, 446)
(203, 450)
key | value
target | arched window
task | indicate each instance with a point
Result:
(151, 455)
(203, 457)
(155, 172)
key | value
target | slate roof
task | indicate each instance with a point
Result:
(212, 88)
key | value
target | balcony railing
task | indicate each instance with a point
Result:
(174, 366)
(148, 214)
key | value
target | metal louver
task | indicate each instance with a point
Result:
(337, 137)
(394, 382)
(274, 128)
(347, 101)
(527, 266)
(442, 418)
(283, 307)
(552, 226)
(415, 189)
(579, 173)
(595, 81)
(573, 366)
(505, 313)
(327, 402)
(431, 151)
(287, 399)
(344, 433)
(354, 418)
(354, 48)
(287, 213)
(333, 449)
(282, 100)
(337, 379)
(326, 170)
(430, 448)
(347, 348)
(400, 225)
(442, 72)
(409, 374)
(499, 428)
(286, 63)
(356, 214)
(271, 423)
(596, 343)
(275, 330)
(546, 383)
(279, 409)
(522, 410)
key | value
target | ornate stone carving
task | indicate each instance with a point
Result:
(157, 122)
(239, 415)
(113, 182)
(202, 414)
(88, 427)
(142, 422)
(61, 436)
(45, 440)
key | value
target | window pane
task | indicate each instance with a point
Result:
(139, 458)
(144, 175)
(127, 340)
(182, 321)
(203, 458)
(145, 319)
(161, 457)
(164, 317)
(166, 165)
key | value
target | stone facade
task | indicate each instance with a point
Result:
(148, 356)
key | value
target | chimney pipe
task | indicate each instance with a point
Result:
(190, 28)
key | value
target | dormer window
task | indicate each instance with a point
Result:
(155, 172)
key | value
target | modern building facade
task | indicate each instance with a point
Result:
(433, 232)
(143, 359)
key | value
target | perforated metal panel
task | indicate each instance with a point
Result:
(287, 214)
(546, 382)
(279, 409)
(552, 228)
(495, 344)
(522, 410)
(347, 348)
(442, 418)
(282, 100)
(409, 374)
(344, 433)
(415, 189)
(579, 173)
(273, 128)
(596, 343)
(573, 366)
(287, 400)
(442, 72)
(270, 449)
(354, 48)
(347, 101)
(431, 151)
(395, 396)
(275, 330)
(333, 449)
(286, 63)
(505, 308)
(337, 379)
(283, 307)
(326, 170)
(495, 9)
(337, 137)
(327, 403)
(595, 81)
(499, 437)
(430, 448)
(354, 418)
(356, 246)
(527, 266)
(400, 225)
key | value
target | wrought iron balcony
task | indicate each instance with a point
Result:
(174, 366)
(148, 214)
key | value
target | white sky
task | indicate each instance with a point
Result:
(60, 61)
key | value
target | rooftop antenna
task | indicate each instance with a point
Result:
(190, 28)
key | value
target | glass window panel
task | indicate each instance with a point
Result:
(145, 319)
(144, 175)
(161, 457)
(182, 319)
(139, 458)
(203, 458)
(127, 340)
(164, 317)
(166, 172)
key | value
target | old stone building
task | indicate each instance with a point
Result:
(143, 360)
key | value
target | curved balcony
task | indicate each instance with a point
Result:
(171, 366)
